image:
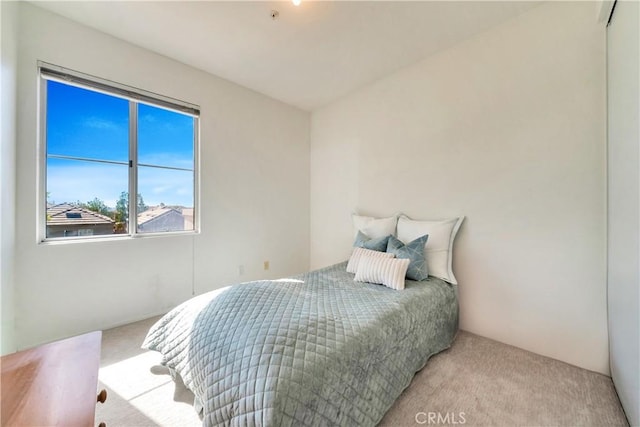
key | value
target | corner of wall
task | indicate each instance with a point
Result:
(8, 104)
(603, 10)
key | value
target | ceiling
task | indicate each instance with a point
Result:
(311, 55)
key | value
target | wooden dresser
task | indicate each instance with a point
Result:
(52, 385)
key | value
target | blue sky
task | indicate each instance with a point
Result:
(87, 124)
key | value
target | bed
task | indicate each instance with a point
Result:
(317, 349)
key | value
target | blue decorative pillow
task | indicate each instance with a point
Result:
(379, 244)
(414, 251)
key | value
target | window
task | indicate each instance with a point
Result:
(116, 160)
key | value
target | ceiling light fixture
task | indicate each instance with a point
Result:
(296, 2)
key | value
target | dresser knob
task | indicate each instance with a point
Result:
(102, 425)
(102, 397)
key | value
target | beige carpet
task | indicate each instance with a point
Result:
(476, 382)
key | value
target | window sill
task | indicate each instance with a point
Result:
(113, 238)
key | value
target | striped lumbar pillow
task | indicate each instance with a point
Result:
(385, 271)
(357, 255)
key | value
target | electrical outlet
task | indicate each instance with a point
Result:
(266, 265)
(240, 270)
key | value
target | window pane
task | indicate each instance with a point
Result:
(88, 161)
(83, 198)
(168, 200)
(83, 123)
(165, 138)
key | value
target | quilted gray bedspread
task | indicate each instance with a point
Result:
(317, 349)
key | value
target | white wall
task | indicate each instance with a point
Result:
(254, 193)
(507, 128)
(8, 75)
(623, 54)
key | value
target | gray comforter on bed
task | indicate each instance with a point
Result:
(316, 349)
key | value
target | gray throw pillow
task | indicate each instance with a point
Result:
(379, 244)
(414, 251)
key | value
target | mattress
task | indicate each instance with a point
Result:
(316, 349)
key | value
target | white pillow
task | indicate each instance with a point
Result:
(384, 271)
(374, 227)
(439, 248)
(357, 255)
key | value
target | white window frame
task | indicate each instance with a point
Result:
(135, 97)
